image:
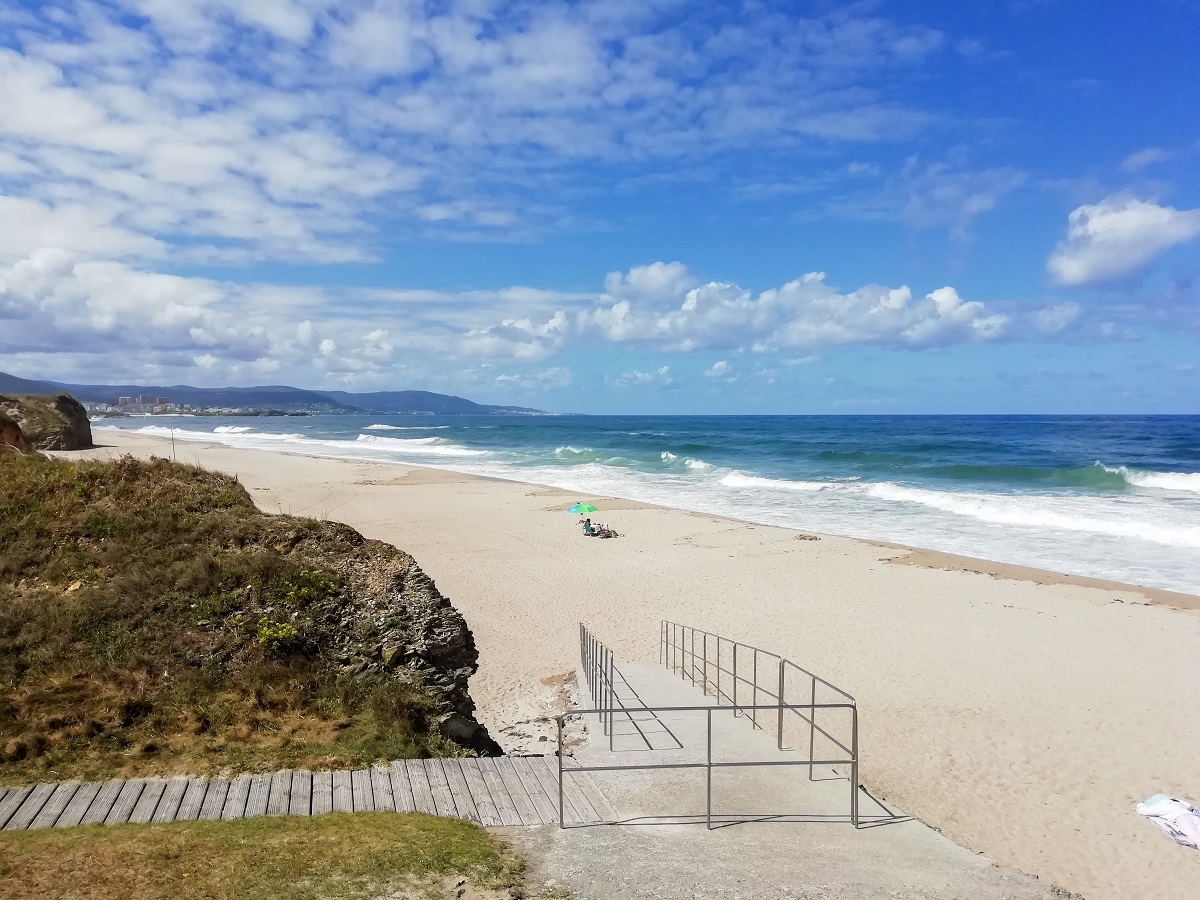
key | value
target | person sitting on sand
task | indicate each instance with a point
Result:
(587, 528)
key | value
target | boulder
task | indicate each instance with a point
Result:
(49, 423)
(11, 438)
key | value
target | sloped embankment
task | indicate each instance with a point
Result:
(153, 620)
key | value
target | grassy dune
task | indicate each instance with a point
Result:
(153, 620)
(331, 857)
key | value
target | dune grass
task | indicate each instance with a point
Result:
(152, 620)
(330, 857)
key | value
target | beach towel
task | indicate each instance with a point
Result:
(1177, 819)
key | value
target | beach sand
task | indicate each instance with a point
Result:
(1020, 712)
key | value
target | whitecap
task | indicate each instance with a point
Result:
(1167, 481)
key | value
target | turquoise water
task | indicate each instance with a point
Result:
(1105, 496)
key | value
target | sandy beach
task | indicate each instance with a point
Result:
(1020, 712)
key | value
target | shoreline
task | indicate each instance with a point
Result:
(1021, 713)
(925, 557)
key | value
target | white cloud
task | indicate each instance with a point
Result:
(285, 129)
(1117, 237)
(805, 312)
(1052, 319)
(947, 193)
(1139, 160)
(660, 378)
(554, 378)
(719, 369)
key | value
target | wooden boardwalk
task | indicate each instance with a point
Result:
(490, 791)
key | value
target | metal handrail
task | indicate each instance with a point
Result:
(709, 764)
(674, 653)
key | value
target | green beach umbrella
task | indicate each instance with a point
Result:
(582, 508)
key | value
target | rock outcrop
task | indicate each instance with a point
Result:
(390, 619)
(11, 438)
(49, 422)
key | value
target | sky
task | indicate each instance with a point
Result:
(626, 206)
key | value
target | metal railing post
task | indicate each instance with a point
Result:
(611, 701)
(705, 669)
(854, 765)
(780, 726)
(708, 776)
(754, 702)
(735, 681)
(718, 670)
(812, 727)
(559, 719)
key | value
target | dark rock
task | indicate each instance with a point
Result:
(49, 423)
(11, 438)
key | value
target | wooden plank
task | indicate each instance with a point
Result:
(126, 800)
(12, 802)
(302, 789)
(381, 789)
(402, 791)
(79, 804)
(360, 786)
(34, 801)
(343, 792)
(506, 810)
(464, 802)
(478, 791)
(443, 801)
(279, 801)
(516, 791)
(99, 808)
(168, 804)
(260, 793)
(587, 787)
(545, 801)
(152, 792)
(193, 800)
(236, 797)
(418, 777)
(583, 809)
(4, 793)
(214, 798)
(55, 805)
(322, 793)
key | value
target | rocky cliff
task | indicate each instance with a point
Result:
(11, 438)
(49, 423)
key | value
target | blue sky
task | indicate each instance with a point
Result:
(651, 206)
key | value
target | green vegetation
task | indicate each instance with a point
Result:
(153, 620)
(331, 857)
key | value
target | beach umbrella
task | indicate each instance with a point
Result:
(582, 508)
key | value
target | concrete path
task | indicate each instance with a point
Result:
(503, 791)
(777, 834)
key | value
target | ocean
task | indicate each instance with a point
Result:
(1113, 497)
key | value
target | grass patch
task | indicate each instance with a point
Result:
(153, 620)
(331, 857)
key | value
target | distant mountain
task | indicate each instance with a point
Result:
(420, 401)
(281, 397)
(11, 384)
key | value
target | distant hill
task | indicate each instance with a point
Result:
(420, 401)
(281, 397)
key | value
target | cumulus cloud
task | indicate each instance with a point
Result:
(1116, 237)
(719, 369)
(806, 312)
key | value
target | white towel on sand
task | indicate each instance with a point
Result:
(1178, 819)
